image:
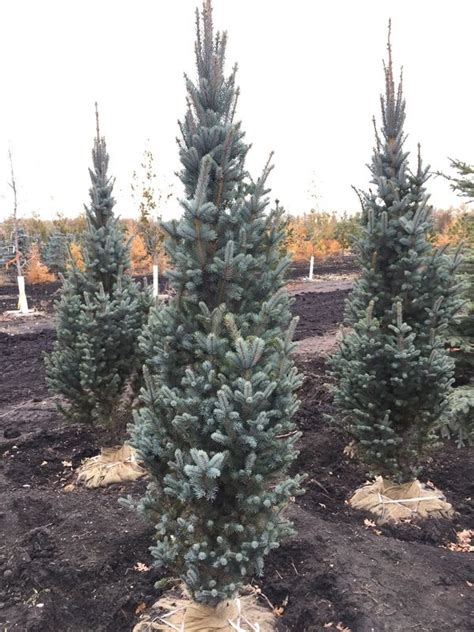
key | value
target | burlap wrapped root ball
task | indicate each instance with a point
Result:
(175, 611)
(392, 502)
(112, 465)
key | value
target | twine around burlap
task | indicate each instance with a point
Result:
(178, 612)
(391, 502)
(112, 465)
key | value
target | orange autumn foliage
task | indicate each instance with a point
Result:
(162, 261)
(445, 238)
(297, 243)
(76, 256)
(326, 247)
(140, 260)
(311, 235)
(35, 270)
(453, 226)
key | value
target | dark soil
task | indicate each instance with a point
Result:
(389, 578)
(41, 296)
(319, 312)
(68, 559)
(338, 264)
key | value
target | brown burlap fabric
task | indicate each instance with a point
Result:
(112, 465)
(390, 502)
(176, 612)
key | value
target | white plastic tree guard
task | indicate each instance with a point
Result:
(22, 300)
(155, 280)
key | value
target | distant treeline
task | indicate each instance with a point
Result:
(48, 246)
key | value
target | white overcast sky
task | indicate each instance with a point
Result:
(310, 74)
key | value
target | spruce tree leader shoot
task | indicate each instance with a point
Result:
(215, 429)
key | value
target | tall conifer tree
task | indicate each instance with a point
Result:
(393, 372)
(100, 314)
(215, 430)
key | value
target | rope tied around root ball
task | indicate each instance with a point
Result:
(392, 502)
(242, 614)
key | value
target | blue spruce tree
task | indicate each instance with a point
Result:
(393, 372)
(100, 315)
(55, 252)
(215, 429)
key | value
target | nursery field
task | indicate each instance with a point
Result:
(73, 560)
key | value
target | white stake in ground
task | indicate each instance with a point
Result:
(155, 280)
(311, 267)
(22, 300)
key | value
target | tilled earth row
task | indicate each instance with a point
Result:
(69, 559)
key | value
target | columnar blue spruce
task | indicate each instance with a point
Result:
(215, 429)
(393, 372)
(99, 316)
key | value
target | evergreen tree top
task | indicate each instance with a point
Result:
(394, 250)
(398, 189)
(393, 102)
(100, 192)
(106, 254)
(209, 126)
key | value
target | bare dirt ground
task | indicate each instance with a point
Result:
(69, 560)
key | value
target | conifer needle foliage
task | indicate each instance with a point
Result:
(100, 314)
(460, 423)
(215, 429)
(393, 372)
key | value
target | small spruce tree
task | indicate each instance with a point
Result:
(100, 314)
(215, 429)
(55, 252)
(392, 370)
